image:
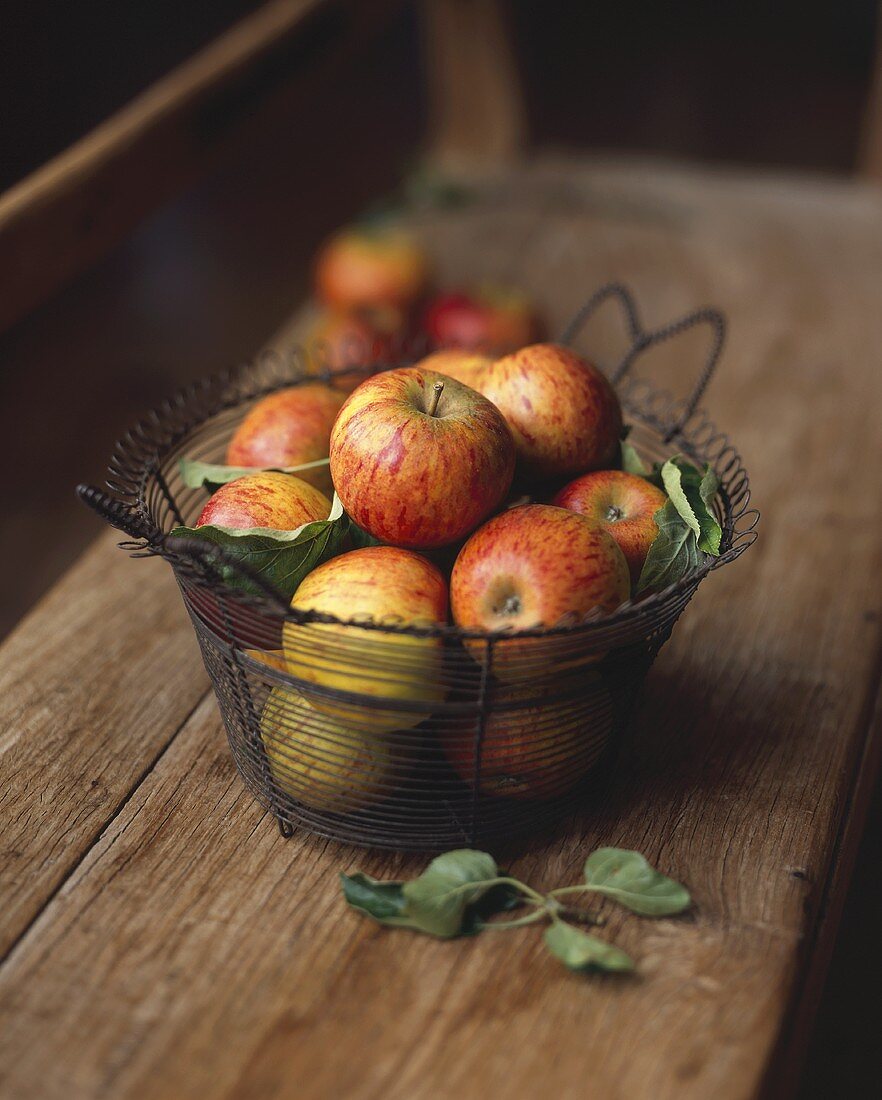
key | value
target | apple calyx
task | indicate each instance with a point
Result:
(614, 514)
(437, 390)
(511, 605)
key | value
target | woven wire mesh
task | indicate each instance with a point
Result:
(389, 735)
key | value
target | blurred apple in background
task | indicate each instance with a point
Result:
(366, 267)
(320, 762)
(465, 366)
(532, 566)
(623, 504)
(379, 582)
(418, 459)
(278, 501)
(539, 739)
(563, 413)
(361, 338)
(488, 318)
(289, 428)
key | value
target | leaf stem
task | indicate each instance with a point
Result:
(532, 918)
(534, 895)
(581, 916)
(502, 880)
(565, 891)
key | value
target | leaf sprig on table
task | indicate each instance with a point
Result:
(460, 892)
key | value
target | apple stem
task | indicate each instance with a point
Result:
(437, 390)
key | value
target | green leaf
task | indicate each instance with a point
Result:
(629, 879)
(692, 492)
(280, 558)
(383, 901)
(208, 475)
(501, 898)
(360, 538)
(438, 899)
(632, 463)
(672, 479)
(579, 951)
(711, 532)
(672, 553)
(446, 900)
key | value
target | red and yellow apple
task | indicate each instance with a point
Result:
(563, 413)
(364, 267)
(489, 318)
(623, 504)
(320, 762)
(465, 366)
(266, 499)
(538, 741)
(531, 567)
(418, 459)
(289, 428)
(356, 339)
(380, 680)
(282, 502)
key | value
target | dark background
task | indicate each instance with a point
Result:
(758, 83)
(204, 280)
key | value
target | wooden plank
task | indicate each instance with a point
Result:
(788, 1060)
(191, 893)
(195, 952)
(93, 686)
(74, 209)
(476, 111)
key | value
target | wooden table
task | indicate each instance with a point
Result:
(160, 939)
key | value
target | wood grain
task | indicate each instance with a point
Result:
(93, 687)
(193, 952)
(476, 111)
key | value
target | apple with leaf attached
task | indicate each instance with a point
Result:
(269, 499)
(622, 504)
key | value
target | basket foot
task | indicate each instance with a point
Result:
(285, 827)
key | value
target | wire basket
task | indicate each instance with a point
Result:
(388, 735)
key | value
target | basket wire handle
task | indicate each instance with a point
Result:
(124, 517)
(641, 339)
(128, 519)
(211, 557)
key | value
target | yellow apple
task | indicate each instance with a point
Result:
(380, 680)
(320, 762)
